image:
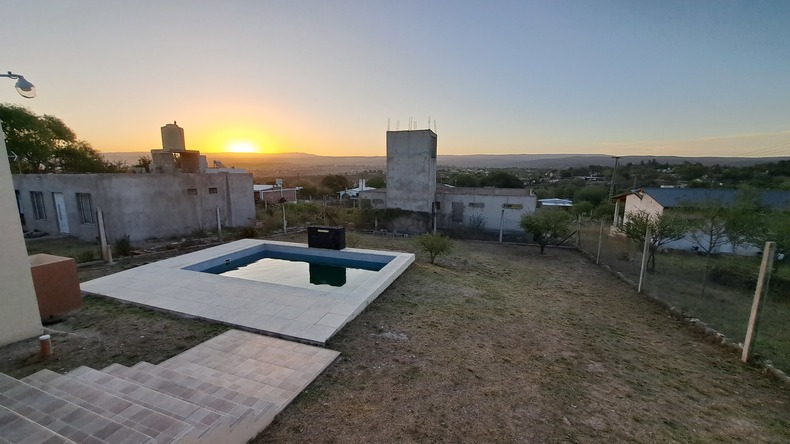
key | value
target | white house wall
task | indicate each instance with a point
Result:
(19, 316)
(647, 204)
(491, 210)
(142, 206)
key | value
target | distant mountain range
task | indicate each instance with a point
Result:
(296, 160)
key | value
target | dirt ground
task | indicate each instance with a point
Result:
(495, 343)
(500, 344)
(104, 332)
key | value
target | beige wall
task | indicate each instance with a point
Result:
(634, 204)
(141, 206)
(19, 317)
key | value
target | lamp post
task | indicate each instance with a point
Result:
(23, 87)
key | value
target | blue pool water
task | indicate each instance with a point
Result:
(299, 270)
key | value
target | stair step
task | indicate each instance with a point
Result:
(205, 386)
(180, 391)
(15, 428)
(62, 417)
(161, 427)
(200, 418)
(271, 369)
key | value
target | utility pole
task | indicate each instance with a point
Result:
(614, 172)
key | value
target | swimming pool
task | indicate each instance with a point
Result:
(307, 312)
(299, 270)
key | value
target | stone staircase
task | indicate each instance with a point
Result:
(227, 389)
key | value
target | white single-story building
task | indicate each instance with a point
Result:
(485, 209)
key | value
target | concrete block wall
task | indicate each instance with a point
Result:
(141, 206)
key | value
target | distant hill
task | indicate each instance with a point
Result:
(297, 160)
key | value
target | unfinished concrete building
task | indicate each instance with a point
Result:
(178, 199)
(411, 185)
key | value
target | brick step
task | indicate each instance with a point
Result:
(205, 386)
(271, 369)
(63, 417)
(206, 423)
(175, 389)
(162, 428)
(15, 428)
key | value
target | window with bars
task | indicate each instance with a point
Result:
(39, 212)
(85, 208)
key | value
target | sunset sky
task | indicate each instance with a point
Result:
(696, 78)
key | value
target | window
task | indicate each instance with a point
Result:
(477, 204)
(37, 198)
(85, 208)
(212, 190)
(458, 212)
(378, 201)
(513, 206)
(192, 191)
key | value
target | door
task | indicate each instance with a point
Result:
(60, 209)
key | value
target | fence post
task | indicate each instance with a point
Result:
(285, 223)
(645, 251)
(106, 250)
(219, 226)
(759, 292)
(600, 238)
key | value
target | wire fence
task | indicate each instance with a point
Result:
(716, 289)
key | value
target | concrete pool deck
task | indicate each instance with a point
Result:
(307, 315)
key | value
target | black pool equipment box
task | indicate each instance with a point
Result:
(332, 238)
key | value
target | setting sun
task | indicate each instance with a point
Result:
(242, 146)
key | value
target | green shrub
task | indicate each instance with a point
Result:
(85, 256)
(122, 246)
(743, 274)
(434, 244)
(247, 233)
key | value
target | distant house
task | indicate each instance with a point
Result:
(353, 193)
(655, 201)
(274, 194)
(555, 203)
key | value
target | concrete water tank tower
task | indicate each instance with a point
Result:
(411, 170)
(173, 137)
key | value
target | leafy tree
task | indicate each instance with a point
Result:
(583, 208)
(501, 179)
(435, 244)
(144, 162)
(594, 194)
(547, 226)
(335, 182)
(376, 182)
(664, 228)
(46, 144)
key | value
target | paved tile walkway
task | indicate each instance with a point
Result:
(309, 315)
(227, 389)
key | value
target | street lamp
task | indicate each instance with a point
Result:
(23, 87)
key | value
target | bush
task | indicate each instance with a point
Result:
(743, 274)
(434, 244)
(122, 246)
(85, 256)
(247, 233)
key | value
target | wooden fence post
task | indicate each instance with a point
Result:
(759, 295)
(645, 252)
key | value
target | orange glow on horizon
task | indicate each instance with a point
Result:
(237, 140)
(242, 146)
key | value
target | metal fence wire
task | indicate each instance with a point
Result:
(716, 289)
